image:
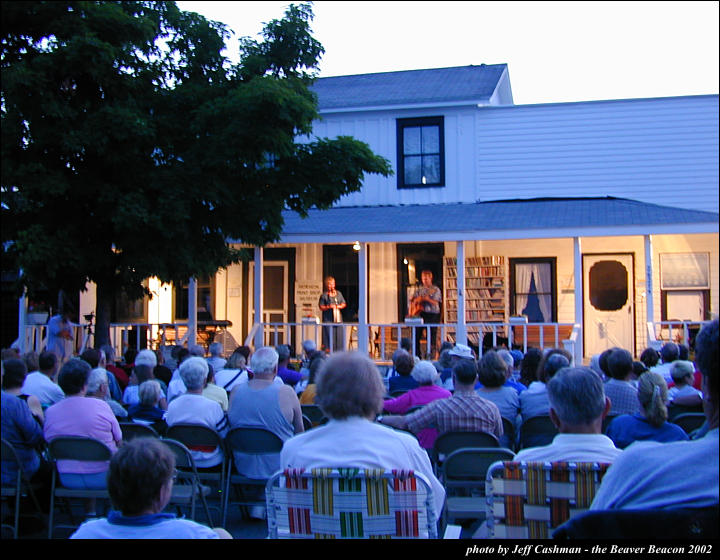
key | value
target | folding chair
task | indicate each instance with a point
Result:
(131, 430)
(189, 487)
(689, 421)
(307, 423)
(463, 473)
(198, 437)
(253, 441)
(349, 503)
(536, 431)
(527, 500)
(22, 487)
(79, 449)
(508, 438)
(450, 441)
(313, 412)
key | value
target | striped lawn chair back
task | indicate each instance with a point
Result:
(350, 503)
(528, 500)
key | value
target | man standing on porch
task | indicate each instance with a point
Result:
(331, 303)
(426, 300)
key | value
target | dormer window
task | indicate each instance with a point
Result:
(421, 152)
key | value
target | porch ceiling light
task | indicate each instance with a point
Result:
(356, 245)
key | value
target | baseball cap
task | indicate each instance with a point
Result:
(462, 351)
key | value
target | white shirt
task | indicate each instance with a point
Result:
(357, 442)
(44, 388)
(196, 409)
(590, 448)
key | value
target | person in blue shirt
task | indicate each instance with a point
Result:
(140, 482)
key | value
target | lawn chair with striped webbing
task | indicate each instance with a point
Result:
(349, 503)
(528, 500)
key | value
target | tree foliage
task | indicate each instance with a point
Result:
(131, 147)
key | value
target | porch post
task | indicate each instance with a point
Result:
(362, 300)
(258, 283)
(577, 257)
(192, 311)
(461, 332)
(649, 299)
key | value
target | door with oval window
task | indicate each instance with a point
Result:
(608, 296)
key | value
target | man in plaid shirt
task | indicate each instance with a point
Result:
(465, 411)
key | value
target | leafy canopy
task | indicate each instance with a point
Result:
(131, 147)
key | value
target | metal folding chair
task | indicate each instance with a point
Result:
(689, 421)
(253, 441)
(189, 487)
(313, 412)
(536, 431)
(131, 430)
(450, 441)
(79, 449)
(22, 487)
(463, 474)
(349, 503)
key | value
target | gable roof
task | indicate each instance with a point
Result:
(505, 219)
(474, 84)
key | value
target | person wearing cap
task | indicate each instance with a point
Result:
(457, 353)
(143, 369)
(464, 411)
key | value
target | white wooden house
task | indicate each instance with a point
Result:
(600, 214)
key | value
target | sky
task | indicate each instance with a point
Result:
(555, 51)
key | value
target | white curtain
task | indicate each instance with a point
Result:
(543, 279)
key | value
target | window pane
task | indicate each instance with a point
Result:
(412, 170)
(684, 270)
(608, 285)
(431, 169)
(430, 140)
(411, 140)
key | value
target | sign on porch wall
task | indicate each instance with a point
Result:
(307, 294)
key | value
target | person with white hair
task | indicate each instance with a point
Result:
(98, 388)
(683, 376)
(143, 369)
(148, 410)
(427, 391)
(578, 406)
(261, 403)
(192, 408)
(216, 359)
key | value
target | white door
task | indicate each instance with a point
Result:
(275, 300)
(608, 296)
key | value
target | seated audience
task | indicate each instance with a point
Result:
(350, 393)
(534, 401)
(192, 408)
(98, 388)
(120, 374)
(403, 363)
(144, 369)
(140, 482)
(682, 474)
(529, 366)
(216, 359)
(22, 431)
(464, 411)
(42, 383)
(683, 376)
(213, 392)
(148, 410)
(619, 389)
(232, 374)
(651, 423)
(308, 394)
(427, 391)
(288, 375)
(261, 403)
(13, 378)
(650, 357)
(668, 354)
(76, 415)
(458, 353)
(96, 359)
(162, 372)
(492, 373)
(578, 406)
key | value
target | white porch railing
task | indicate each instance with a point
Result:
(680, 332)
(383, 338)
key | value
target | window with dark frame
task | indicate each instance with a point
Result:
(421, 152)
(533, 289)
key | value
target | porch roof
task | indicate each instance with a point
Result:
(505, 219)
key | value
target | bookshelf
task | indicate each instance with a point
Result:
(485, 289)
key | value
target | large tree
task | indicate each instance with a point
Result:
(131, 147)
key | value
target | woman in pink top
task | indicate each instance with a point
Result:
(425, 374)
(77, 415)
